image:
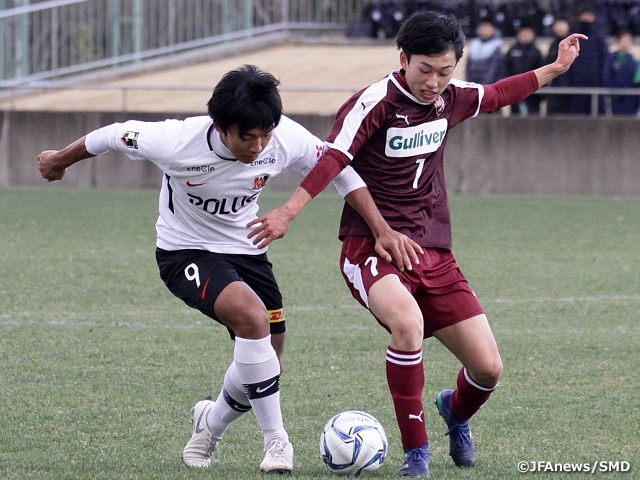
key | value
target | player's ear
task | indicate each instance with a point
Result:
(404, 60)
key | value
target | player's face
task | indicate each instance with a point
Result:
(248, 146)
(428, 75)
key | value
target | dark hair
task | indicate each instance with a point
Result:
(431, 33)
(247, 97)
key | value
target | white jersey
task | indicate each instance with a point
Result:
(207, 196)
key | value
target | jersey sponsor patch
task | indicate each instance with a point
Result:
(201, 169)
(418, 140)
(276, 316)
(130, 139)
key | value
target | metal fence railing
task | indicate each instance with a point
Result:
(600, 98)
(45, 39)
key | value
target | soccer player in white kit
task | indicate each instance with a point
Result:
(215, 168)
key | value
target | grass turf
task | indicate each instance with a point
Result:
(100, 364)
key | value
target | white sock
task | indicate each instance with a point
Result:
(258, 370)
(230, 405)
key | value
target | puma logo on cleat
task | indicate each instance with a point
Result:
(416, 417)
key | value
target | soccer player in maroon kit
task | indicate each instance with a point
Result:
(393, 133)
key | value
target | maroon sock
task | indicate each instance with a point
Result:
(405, 376)
(469, 396)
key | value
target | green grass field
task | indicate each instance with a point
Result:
(100, 364)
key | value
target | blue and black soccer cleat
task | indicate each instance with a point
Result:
(416, 462)
(461, 447)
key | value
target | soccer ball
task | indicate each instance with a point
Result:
(353, 443)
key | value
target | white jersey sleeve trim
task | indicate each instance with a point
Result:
(369, 98)
(348, 181)
(305, 149)
(480, 88)
(340, 149)
(100, 141)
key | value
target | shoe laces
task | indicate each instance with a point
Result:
(276, 448)
(418, 455)
(461, 432)
(213, 451)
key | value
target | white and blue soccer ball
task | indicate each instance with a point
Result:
(353, 443)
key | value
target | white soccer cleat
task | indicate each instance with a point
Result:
(201, 447)
(278, 457)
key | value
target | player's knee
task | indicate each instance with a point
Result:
(489, 373)
(407, 332)
(251, 324)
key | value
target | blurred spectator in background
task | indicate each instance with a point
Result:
(523, 56)
(588, 67)
(468, 12)
(485, 62)
(558, 104)
(379, 19)
(561, 8)
(478, 11)
(443, 6)
(513, 15)
(622, 16)
(619, 72)
(383, 18)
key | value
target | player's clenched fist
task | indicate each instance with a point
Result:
(53, 163)
(49, 167)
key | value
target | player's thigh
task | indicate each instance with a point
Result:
(450, 301)
(396, 309)
(257, 272)
(379, 286)
(197, 277)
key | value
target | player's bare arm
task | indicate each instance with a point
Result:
(390, 245)
(568, 51)
(53, 164)
(275, 224)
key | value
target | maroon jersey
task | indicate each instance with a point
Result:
(396, 144)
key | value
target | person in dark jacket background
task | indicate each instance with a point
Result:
(523, 56)
(558, 104)
(588, 67)
(619, 72)
(485, 64)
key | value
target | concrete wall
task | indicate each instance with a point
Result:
(490, 154)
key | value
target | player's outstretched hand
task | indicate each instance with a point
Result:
(269, 227)
(49, 167)
(569, 50)
(396, 247)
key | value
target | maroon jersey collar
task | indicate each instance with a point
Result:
(400, 76)
(401, 82)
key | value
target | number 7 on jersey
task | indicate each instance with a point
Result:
(420, 163)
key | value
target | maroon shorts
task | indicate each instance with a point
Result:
(439, 287)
